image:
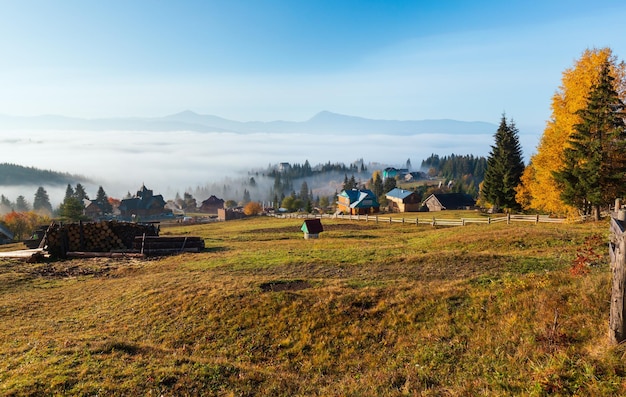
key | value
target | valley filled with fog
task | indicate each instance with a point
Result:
(174, 162)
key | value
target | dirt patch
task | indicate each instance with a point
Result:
(285, 285)
(327, 228)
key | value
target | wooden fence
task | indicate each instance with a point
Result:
(617, 251)
(431, 220)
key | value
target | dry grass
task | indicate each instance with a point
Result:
(381, 310)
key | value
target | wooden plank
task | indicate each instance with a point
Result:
(617, 331)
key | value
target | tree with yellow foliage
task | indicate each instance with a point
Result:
(538, 189)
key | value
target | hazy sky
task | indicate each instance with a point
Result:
(283, 59)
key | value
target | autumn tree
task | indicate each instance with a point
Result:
(595, 166)
(504, 167)
(41, 203)
(252, 208)
(539, 189)
(376, 184)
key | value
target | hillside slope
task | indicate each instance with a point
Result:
(17, 175)
(367, 309)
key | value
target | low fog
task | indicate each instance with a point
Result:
(175, 162)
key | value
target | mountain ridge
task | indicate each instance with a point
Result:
(324, 122)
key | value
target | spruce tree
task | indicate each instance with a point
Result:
(594, 166)
(504, 167)
(41, 203)
(103, 201)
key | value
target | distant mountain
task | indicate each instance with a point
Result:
(17, 175)
(322, 123)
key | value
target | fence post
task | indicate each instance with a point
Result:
(508, 218)
(417, 221)
(366, 217)
(617, 332)
(489, 220)
(376, 218)
(537, 219)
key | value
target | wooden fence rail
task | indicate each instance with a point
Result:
(426, 220)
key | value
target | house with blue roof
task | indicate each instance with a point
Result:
(357, 202)
(400, 200)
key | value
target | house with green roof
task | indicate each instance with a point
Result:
(357, 202)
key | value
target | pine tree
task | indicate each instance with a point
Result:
(41, 203)
(594, 163)
(21, 205)
(504, 167)
(80, 193)
(69, 192)
(103, 201)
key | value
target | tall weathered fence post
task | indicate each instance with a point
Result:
(617, 251)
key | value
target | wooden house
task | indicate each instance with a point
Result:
(312, 228)
(144, 204)
(92, 209)
(357, 202)
(212, 205)
(449, 201)
(401, 200)
(5, 235)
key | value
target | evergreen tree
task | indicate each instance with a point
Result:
(21, 205)
(72, 209)
(595, 166)
(80, 193)
(377, 184)
(388, 185)
(103, 201)
(504, 167)
(41, 203)
(304, 192)
(69, 192)
(246, 196)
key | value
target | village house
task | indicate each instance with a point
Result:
(391, 172)
(400, 200)
(357, 202)
(144, 204)
(5, 235)
(449, 201)
(92, 209)
(212, 205)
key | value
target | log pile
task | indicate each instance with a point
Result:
(155, 245)
(103, 236)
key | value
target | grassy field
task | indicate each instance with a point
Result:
(366, 310)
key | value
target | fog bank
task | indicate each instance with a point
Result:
(170, 162)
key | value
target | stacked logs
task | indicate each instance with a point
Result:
(106, 236)
(155, 245)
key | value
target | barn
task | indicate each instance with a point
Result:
(449, 201)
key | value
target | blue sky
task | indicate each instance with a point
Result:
(269, 60)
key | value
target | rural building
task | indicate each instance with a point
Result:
(391, 172)
(312, 228)
(357, 202)
(92, 209)
(449, 201)
(415, 176)
(144, 204)
(212, 205)
(401, 200)
(5, 235)
(227, 214)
